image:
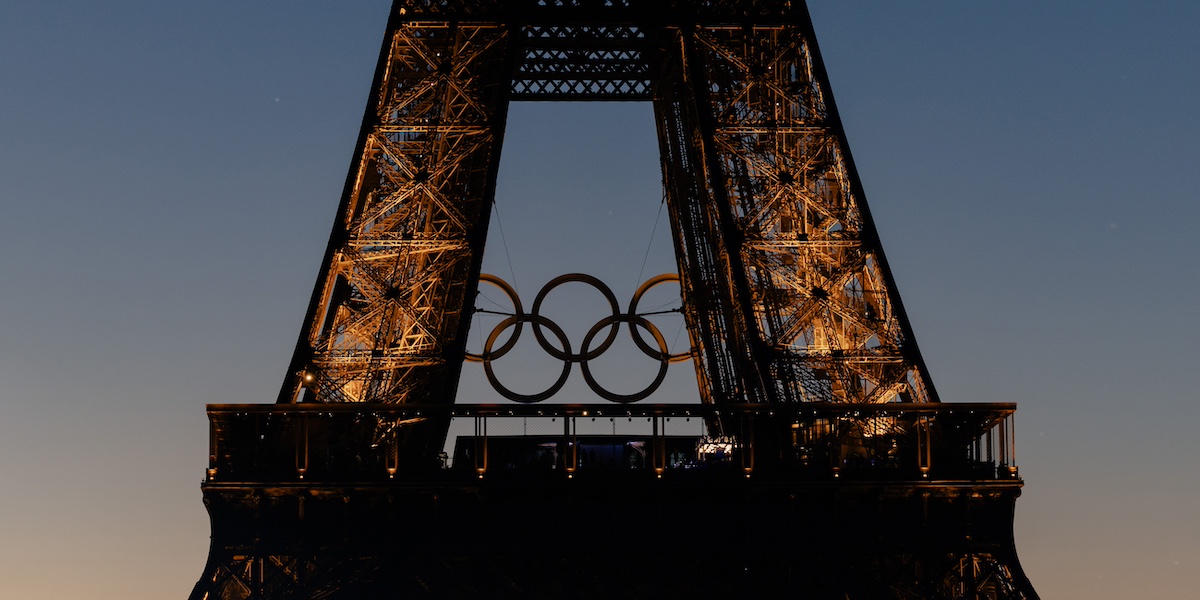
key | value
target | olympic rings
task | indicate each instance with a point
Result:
(487, 361)
(581, 278)
(512, 295)
(586, 353)
(662, 358)
(637, 337)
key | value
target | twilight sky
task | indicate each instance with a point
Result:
(169, 173)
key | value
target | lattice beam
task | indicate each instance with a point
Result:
(810, 310)
(387, 317)
(787, 294)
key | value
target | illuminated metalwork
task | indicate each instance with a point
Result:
(786, 291)
(387, 314)
(822, 462)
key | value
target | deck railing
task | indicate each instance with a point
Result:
(367, 442)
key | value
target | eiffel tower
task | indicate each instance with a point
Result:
(818, 460)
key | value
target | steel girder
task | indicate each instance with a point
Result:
(786, 291)
(532, 538)
(387, 315)
(769, 216)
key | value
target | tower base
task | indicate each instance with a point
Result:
(715, 535)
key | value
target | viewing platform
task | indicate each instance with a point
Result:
(804, 442)
(614, 500)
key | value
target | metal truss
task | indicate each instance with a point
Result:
(402, 262)
(777, 249)
(786, 291)
(974, 576)
(982, 575)
(583, 62)
(254, 577)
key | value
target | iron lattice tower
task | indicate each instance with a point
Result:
(803, 353)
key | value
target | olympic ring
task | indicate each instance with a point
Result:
(586, 353)
(516, 300)
(662, 358)
(580, 278)
(637, 297)
(487, 361)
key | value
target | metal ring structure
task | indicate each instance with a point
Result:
(637, 337)
(586, 352)
(663, 355)
(488, 355)
(578, 278)
(516, 302)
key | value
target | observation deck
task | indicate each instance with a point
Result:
(313, 443)
(612, 501)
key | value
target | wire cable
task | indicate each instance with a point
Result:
(504, 242)
(650, 244)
